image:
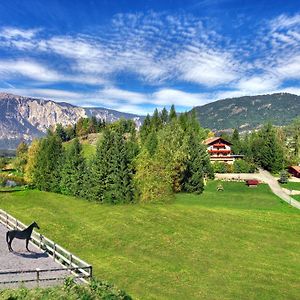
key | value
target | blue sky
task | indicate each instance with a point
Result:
(134, 56)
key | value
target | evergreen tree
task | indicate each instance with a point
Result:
(164, 116)
(145, 129)
(50, 156)
(156, 121)
(101, 167)
(236, 143)
(267, 150)
(60, 131)
(70, 132)
(72, 174)
(120, 189)
(151, 142)
(172, 114)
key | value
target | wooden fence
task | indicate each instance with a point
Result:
(69, 262)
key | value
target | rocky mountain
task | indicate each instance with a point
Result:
(26, 118)
(250, 112)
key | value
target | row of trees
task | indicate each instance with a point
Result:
(265, 147)
(166, 157)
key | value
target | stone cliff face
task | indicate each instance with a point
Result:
(24, 118)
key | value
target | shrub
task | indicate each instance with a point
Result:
(69, 291)
(221, 167)
(242, 166)
(284, 177)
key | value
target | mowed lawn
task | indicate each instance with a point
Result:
(242, 243)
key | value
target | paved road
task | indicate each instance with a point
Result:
(265, 177)
(20, 260)
(276, 188)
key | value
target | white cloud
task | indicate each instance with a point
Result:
(207, 67)
(290, 68)
(258, 84)
(179, 98)
(12, 33)
(30, 69)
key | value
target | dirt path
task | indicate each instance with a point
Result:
(20, 260)
(265, 177)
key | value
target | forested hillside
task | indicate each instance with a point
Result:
(249, 112)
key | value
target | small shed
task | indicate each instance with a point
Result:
(295, 171)
(252, 182)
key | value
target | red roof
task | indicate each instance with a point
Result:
(213, 140)
(252, 182)
(296, 168)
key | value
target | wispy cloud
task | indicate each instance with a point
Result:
(155, 51)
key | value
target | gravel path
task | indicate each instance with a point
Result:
(21, 260)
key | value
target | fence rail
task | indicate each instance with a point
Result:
(69, 262)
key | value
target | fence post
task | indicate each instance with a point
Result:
(37, 276)
(54, 251)
(41, 239)
(70, 260)
(91, 272)
(16, 223)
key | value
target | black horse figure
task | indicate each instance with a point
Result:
(20, 234)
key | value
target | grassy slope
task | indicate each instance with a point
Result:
(237, 244)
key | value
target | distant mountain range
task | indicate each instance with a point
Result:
(24, 118)
(250, 112)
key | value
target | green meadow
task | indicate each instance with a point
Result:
(240, 243)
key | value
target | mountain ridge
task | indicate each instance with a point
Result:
(26, 118)
(249, 112)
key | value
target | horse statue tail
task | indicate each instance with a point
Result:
(7, 234)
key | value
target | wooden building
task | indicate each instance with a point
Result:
(220, 150)
(295, 171)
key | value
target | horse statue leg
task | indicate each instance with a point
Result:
(9, 241)
(27, 241)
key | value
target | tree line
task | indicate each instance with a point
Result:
(166, 156)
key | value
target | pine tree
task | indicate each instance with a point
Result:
(156, 121)
(72, 174)
(50, 156)
(198, 166)
(164, 116)
(172, 114)
(236, 143)
(267, 150)
(60, 131)
(151, 142)
(145, 129)
(120, 189)
(101, 167)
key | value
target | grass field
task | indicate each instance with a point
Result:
(291, 185)
(241, 243)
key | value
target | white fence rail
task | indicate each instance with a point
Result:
(69, 262)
